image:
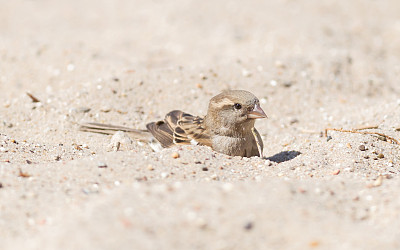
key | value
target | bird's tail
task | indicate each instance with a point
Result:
(108, 129)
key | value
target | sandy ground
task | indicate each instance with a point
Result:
(313, 64)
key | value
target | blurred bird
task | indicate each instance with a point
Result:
(227, 128)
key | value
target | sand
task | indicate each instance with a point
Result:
(313, 64)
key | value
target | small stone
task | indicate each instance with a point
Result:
(279, 64)
(1, 185)
(246, 73)
(70, 67)
(83, 109)
(199, 86)
(57, 158)
(204, 168)
(175, 155)
(117, 139)
(164, 175)
(328, 138)
(202, 76)
(23, 174)
(102, 165)
(336, 172)
(287, 84)
(273, 83)
(362, 147)
(105, 109)
(293, 121)
(248, 226)
(150, 167)
(314, 243)
(380, 156)
(378, 181)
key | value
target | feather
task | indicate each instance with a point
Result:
(137, 134)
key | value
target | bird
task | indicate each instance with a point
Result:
(228, 126)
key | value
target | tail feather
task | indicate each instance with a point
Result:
(136, 134)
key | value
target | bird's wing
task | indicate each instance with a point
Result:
(258, 148)
(162, 132)
(180, 128)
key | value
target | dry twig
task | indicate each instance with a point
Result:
(356, 131)
(34, 99)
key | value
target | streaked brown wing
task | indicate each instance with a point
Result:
(188, 129)
(179, 128)
(162, 132)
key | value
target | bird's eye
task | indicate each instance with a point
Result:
(237, 106)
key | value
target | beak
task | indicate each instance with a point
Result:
(257, 113)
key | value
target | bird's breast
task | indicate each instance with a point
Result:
(234, 146)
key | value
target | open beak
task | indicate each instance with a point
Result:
(257, 113)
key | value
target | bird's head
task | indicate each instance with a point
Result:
(234, 109)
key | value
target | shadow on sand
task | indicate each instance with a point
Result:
(284, 156)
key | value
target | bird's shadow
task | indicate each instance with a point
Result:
(284, 156)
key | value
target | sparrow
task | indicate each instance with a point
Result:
(228, 126)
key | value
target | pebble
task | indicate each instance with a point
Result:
(268, 162)
(83, 109)
(378, 181)
(246, 73)
(164, 175)
(380, 156)
(150, 167)
(336, 172)
(70, 67)
(204, 168)
(279, 64)
(287, 84)
(175, 155)
(202, 76)
(102, 165)
(249, 225)
(362, 147)
(117, 139)
(273, 83)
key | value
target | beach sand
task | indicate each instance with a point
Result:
(313, 64)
